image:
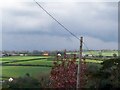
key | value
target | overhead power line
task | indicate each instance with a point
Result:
(88, 49)
(81, 42)
(57, 21)
(61, 24)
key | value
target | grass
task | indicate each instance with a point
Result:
(14, 59)
(93, 61)
(104, 53)
(17, 71)
(35, 71)
(35, 62)
(22, 57)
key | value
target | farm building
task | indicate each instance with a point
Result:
(23, 54)
(45, 54)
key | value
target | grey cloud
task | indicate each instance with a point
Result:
(87, 19)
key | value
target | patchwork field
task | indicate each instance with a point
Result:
(16, 66)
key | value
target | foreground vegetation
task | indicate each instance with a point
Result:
(104, 75)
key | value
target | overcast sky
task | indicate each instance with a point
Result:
(25, 26)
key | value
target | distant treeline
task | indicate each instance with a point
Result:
(51, 53)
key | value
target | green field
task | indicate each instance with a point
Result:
(12, 58)
(17, 71)
(96, 53)
(35, 62)
(9, 70)
(16, 66)
(104, 53)
(93, 61)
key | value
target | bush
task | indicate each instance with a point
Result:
(22, 83)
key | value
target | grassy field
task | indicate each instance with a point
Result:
(93, 61)
(35, 62)
(12, 66)
(104, 53)
(17, 71)
(96, 53)
(11, 58)
(9, 70)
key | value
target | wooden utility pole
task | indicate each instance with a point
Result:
(79, 62)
